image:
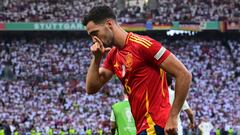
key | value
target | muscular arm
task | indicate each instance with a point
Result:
(96, 77)
(183, 79)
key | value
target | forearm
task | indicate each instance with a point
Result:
(93, 83)
(190, 116)
(183, 81)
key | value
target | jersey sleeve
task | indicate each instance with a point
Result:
(107, 63)
(154, 52)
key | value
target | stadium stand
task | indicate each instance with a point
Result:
(42, 79)
(43, 83)
(164, 11)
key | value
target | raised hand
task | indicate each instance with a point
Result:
(98, 48)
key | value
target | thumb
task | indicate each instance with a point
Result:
(98, 41)
(107, 49)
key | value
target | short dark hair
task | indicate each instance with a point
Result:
(99, 14)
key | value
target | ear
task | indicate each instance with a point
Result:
(109, 23)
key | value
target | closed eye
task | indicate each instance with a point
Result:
(94, 33)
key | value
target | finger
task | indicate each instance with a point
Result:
(99, 44)
(94, 47)
(165, 132)
(107, 49)
(98, 41)
(168, 131)
(172, 131)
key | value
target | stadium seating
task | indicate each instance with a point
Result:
(43, 83)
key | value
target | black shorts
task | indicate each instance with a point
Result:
(158, 130)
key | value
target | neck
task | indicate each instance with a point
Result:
(120, 37)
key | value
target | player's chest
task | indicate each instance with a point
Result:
(126, 63)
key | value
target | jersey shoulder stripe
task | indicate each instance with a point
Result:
(144, 42)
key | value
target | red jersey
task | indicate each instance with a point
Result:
(137, 65)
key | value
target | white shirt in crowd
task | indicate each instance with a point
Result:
(205, 127)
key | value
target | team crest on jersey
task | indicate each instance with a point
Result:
(129, 61)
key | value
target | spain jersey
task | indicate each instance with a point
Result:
(137, 65)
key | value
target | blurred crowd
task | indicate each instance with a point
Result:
(42, 84)
(196, 10)
(235, 52)
(42, 81)
(159, 11)
(48, 10)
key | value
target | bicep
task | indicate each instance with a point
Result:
(105, 75)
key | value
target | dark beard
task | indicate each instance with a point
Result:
(108, 45)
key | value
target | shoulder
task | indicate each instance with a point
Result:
(140, 40)
(115, 104)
